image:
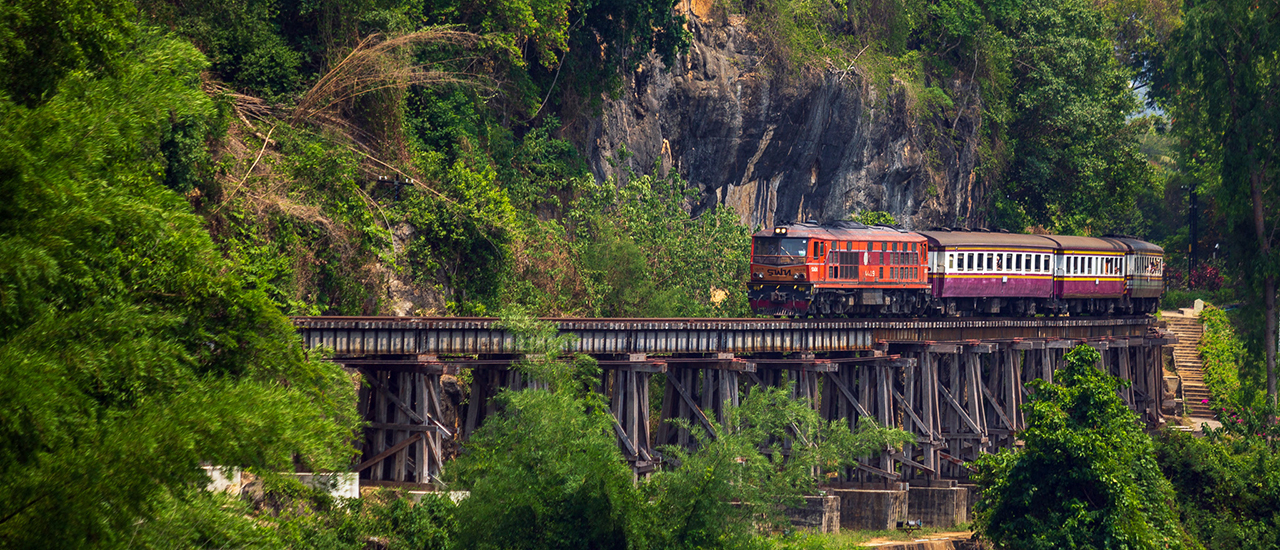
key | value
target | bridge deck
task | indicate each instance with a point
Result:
(352, 336)
(958, 385)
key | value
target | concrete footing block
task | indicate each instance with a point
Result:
(871, 510)
(338, 484)
(820, 513)
(938, 506)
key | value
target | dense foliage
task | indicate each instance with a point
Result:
(548, 473)
(129, 354)
(174, 175)
(1227, 487)
(1219, 81)
(1221, 355)
(1087, 476)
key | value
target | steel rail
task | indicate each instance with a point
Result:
(356, 336)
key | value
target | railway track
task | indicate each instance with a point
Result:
(485, 335)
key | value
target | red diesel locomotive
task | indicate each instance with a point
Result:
(848, 268)
(845, 268)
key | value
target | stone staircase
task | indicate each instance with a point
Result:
(1185, 323)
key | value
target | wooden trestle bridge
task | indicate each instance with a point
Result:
(957, 384)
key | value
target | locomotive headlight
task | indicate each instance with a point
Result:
(779, 231)
(757, 275)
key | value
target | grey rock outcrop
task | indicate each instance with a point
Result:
(818, 146)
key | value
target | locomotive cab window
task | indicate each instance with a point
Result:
(780, 251)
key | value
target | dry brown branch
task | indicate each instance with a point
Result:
(266, 140)
(378, 63)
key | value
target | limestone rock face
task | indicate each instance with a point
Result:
(812, 147)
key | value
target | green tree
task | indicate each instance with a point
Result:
(648, 255)
(546, 472)
(1087, 477)
(1221, 81)
(763, 457)
(1075, 162)
(128, 355)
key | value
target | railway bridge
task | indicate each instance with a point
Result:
(957, 384)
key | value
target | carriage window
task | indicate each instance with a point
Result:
(968, 263)
(1091, 271)
(1008, 261)
(1037, 262)
(999, 262)
(951, 261)
(1121, 266)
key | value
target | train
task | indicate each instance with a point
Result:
(848, 269)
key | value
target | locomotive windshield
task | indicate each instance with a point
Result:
(780, 251)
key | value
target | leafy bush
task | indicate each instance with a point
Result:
(873, 217)
(1227, 487)
(1221, 354)
(1177, 298)
(547, 473)
(1087, 477)
(739, 479)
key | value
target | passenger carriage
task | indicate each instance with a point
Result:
(1143, 270)
(1088, 274)
(991, 273)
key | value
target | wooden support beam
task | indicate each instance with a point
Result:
(848, 395)
(964, 415)
(693, 407)
(395, 400)
(996, 405)
(884, 473)
(386, 453)
(903, 459)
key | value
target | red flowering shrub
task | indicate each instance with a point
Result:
(1206, 277)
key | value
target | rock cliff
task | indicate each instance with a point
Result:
(817, 146)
